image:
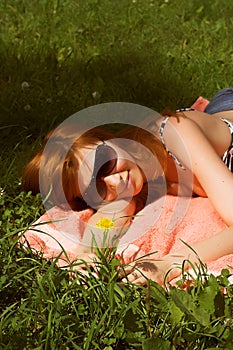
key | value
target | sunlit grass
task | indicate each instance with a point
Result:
(56, 58)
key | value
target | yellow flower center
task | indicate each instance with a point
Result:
(105, 224)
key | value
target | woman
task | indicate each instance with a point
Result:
(193, 153)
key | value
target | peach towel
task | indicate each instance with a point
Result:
(159, 227)
(198, 222)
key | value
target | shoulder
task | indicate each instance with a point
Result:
(187, 140)
(194, 122)
(180, 128)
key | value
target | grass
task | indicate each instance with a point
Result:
(56, 58)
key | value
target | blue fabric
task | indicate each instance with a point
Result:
(222, 101)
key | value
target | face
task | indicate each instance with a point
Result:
(111, 171)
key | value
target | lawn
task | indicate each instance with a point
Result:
(58, 57)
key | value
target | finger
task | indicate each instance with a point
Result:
(79, 266)
(137, 279)
(140, 281)
(81, 278)
(126, 270)
(90, 259)
(85, 273)
(86, 260)
(131, 277)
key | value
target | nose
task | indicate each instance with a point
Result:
(116, 182)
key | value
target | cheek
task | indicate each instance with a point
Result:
(122, 165)
(135, 172)
(125, 164)
(137, 179)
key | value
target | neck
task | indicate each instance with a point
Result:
(171, 171)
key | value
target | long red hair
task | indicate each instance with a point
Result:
(56, 164)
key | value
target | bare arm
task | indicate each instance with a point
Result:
(192, 148)
(170, 265)
(186, 140)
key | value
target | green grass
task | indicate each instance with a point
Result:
(155, 53)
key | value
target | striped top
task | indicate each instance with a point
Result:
(227, 157)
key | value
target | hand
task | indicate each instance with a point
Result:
(160, 271)
(85, 264)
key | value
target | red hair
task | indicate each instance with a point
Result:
(56, 164)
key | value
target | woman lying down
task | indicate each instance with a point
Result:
(188, 153)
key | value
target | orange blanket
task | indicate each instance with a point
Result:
(198, 221)
(158, 228)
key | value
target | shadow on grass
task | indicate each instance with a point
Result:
(55, 91)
